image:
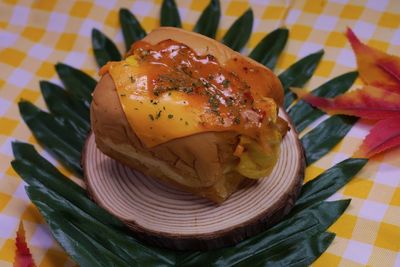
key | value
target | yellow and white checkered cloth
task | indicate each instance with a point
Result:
(34, 35)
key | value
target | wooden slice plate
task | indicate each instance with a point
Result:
(167, 217)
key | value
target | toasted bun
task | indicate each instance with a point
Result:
(195, 163)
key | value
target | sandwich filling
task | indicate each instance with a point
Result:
(167, 91)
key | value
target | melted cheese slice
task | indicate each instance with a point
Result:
(154, 120)
(167, 92)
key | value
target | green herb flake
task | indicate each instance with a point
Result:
(214, 103)
(151, 117)
(170, 116)
(158, 115)
(225, 83)
(187, 90)
(229, 101)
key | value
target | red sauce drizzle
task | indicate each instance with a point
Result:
(230, 93)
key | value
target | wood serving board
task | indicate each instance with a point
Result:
(164, 216)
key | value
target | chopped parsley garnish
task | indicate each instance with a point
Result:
(225, 83)
(229, 101)
(187, 90)
(158, 115)
(170, 116)
(214, 103)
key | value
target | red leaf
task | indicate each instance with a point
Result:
(390, 66)
(369, 102)
(375, 67)
(383, 136)
(23, 257)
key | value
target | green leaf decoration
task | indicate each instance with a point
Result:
(240, 31)
(303, 114)
(327, 183)
(209, 20)
(49, 175)
(60, 140)
(75, 241)
(301, 253)
(115, 248)
(298, 74)
(66, 108)
(26, 159)
(77, 222)
(77, 83)
(60, 194)
(170, 15)
(131, 28)
(306, 223)
(104, 49)
(93, 237)
(319, 141)
(270, 48)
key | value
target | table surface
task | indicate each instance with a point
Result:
(34, 35)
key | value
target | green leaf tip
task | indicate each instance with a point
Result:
(20, 149)
(268, 50)
(320, 140)
(298, 74)
(57, 137)
(27, 110)
(170, 15)
(131, 28)
(239, 33)
(208, 22)
(330, 181)
(66, 108)
(104, 49)
(76, 82)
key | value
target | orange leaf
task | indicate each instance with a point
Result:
(369, 102)
(23, 257)
(375, 67)
(383, 136)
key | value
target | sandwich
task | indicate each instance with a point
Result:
(191, 112)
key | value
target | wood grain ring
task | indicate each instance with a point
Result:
(164, 216)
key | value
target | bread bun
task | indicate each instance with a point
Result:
(201, 162)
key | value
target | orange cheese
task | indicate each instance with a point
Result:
(167, 91)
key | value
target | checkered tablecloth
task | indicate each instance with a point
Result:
(34, 35)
